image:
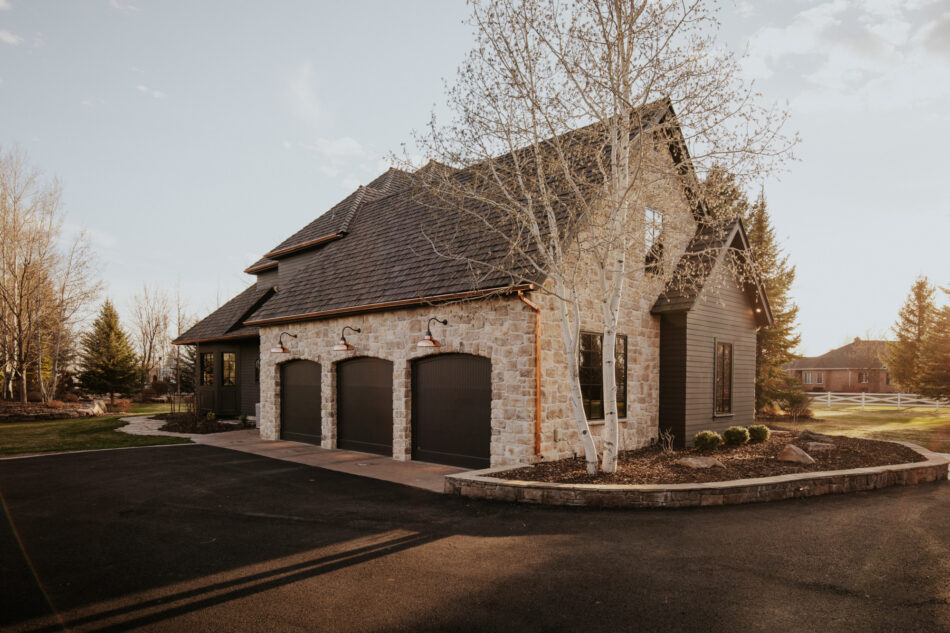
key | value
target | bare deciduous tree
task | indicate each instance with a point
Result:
(151, 318)
(43, 287)
(571, 127)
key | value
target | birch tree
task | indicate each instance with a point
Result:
(565, 116)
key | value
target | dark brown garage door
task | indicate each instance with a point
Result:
(451, 410)
(365, 405)
(300, 401)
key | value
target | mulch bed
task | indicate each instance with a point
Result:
(187, 423)
(651, 465)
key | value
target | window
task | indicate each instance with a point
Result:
(228, 369)
(592, 375)
(723, 380)
(819, 378)
(813, 378)
(257, 370)
(863, 377)
(654, 249)
(207, 368)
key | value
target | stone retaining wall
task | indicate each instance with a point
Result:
(476, 485)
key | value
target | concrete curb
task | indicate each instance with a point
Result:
(476, 485)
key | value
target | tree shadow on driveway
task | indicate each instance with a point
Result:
(195, 537)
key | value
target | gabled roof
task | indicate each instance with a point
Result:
(387, 259)
(227, 322)
(705, 252)
(380, 247)
(858, 354)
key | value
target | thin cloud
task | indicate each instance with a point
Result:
(304, 97)
(157, 94)
(10, 38)
(873, 56)
(5, 5)
(123, 5)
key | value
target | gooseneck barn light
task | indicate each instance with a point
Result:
(428, 341)
(343, 346)
(279, 348)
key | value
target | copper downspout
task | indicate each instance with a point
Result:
(537, 371)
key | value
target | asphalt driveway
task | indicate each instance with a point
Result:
(197, 538)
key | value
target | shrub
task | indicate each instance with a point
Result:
(242, 419)
(210, 416)
(759, 432)
(736, 435)
(55, 404)
(70, 397)
(120, 404)
(34, 396)
(707, 440)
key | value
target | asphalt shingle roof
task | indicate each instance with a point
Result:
(227, 321)
(859, 354)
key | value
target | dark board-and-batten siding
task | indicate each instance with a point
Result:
(687, 361)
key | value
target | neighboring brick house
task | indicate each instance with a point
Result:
(853, 368)
(685, 360)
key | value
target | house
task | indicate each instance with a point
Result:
(853, 368)
(357, 334)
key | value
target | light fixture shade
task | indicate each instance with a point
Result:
(343, 346)
(428, 341)
(279, 349)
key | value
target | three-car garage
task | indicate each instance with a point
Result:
(450, 411)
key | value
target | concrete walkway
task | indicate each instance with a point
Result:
(417, 474)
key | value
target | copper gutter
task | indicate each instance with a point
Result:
(537, 371)
(299, 247)
(472, 294)
(250, 270)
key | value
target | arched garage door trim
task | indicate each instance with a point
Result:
(300, 401)
(451, 410)
(365, 405)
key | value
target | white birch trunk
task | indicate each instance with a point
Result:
(570, 335)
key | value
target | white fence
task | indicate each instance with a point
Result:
(899, 400)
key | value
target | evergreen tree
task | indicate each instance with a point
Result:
(107, 360)
(935, 356)
(903, 355)
(775, 343)
(723, 197)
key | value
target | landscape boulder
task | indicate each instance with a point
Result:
(819, 447)
(792, 453)
(814, 436)
(700, 462)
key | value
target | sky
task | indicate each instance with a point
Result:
(192, 137)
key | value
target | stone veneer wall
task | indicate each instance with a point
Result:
(501, 329)
(498, 328)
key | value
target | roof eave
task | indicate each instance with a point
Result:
(389, 305)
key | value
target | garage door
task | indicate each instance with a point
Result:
(365, 405)
(451, 410)
(300, 401)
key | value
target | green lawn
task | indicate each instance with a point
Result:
(919, 425)
(78, 434)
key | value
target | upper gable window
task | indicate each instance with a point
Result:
(653, 226)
